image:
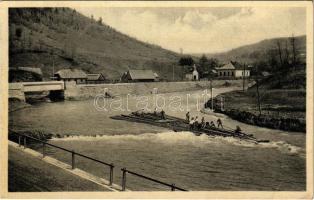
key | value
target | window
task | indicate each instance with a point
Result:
(224, 73)
(232, 74)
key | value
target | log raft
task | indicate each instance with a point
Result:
(178, 124)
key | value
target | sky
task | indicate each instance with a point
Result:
(203, 30)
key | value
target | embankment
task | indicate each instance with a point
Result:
(280, 109)
(80, 92)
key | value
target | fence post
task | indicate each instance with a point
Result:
(73, 159)
(111, 174)
(123, 179)
(173, 187)
(19, 140)
(44, 149)
(24, 142)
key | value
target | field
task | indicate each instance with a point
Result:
(280, 109)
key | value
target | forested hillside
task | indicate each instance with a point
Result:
(64, 38)
(263, 50)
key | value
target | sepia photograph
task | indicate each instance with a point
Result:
(167, 97)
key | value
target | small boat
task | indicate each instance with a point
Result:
(178, 124)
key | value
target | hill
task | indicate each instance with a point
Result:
(64, 38)
(261, 51)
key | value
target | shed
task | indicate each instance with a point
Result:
(77, 75)
(96, 78)
(139, 75)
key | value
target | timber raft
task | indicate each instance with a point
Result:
(178, 124)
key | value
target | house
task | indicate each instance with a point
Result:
(95, 78)
(232, 70)
(67, 75)
(192, 76)
(139, 75)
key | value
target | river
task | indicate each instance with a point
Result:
(191, 162)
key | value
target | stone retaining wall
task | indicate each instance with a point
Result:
(78, 92)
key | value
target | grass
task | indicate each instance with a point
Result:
(275, 103)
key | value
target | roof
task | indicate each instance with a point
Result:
(229, 65)
(71, 73)
(238, 65)
(95, 77)
(141, 74)
(36, 70)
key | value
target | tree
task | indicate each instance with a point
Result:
(279, 52)
(203, 65)
(294, 61)
(18, 32)
(186, 61)
(287, 55)
(213, 63)
(203, 60)
(294, 53)
(99, 21)
(272, 61)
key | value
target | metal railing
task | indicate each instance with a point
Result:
(73, 153)
(125, 171)
(111, 165)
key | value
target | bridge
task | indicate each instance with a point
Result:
(17, 90)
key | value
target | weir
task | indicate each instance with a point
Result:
(23, 139)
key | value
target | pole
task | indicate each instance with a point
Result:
(73, 159)
(53, 66)
(243, 77)
(44, 149)
(172, 72)
(111, 174)
(123, 179)
(24, 142)
(173, 187)
(19, 141)
(258, 97)
(211, 95)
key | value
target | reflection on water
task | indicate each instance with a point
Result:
(192, 162)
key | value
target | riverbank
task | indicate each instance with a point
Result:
(280, 109)
(16, 104)
(30, 174)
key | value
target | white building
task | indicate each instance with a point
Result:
(194, 76)
(232, 70)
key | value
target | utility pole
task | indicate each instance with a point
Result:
(172, 72)
(257, 92)
(243, 77)
(258, 97)
(211, 94)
